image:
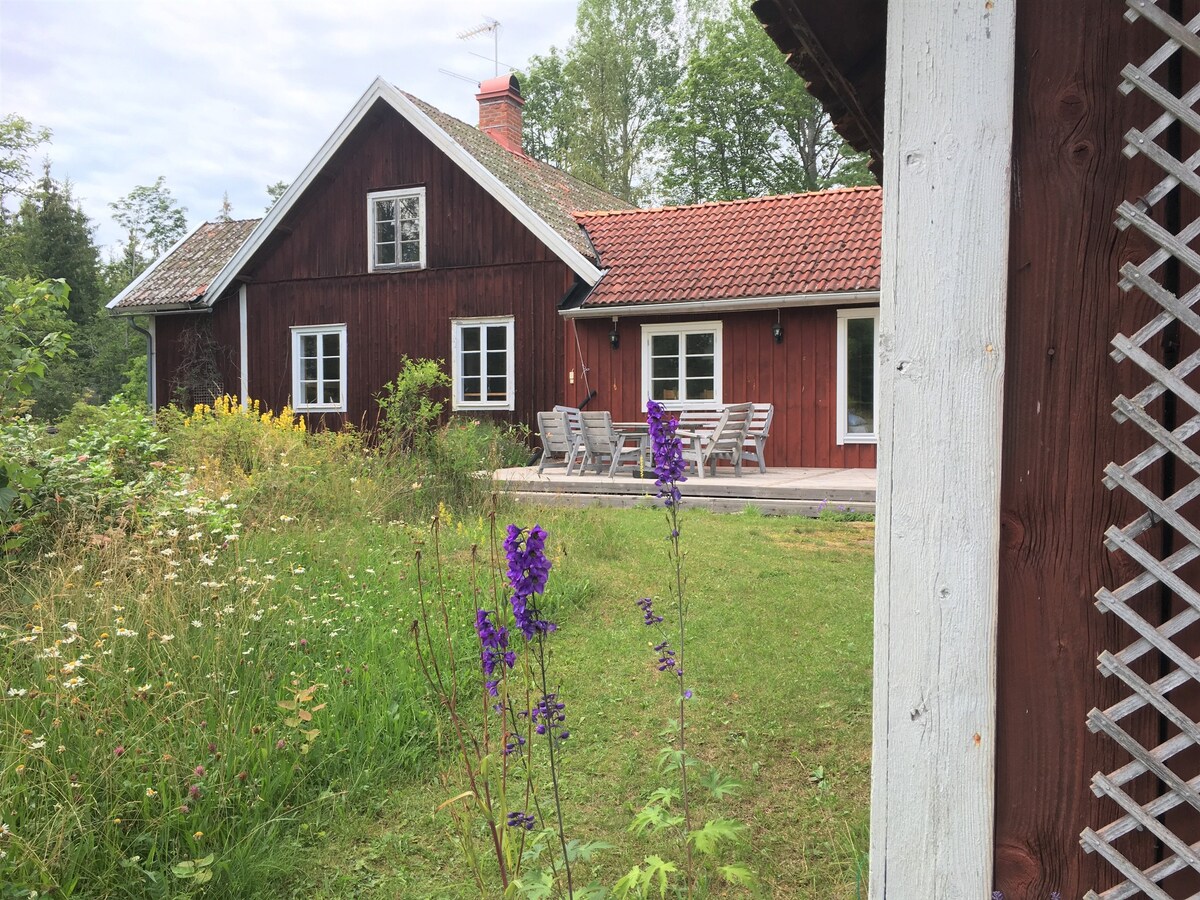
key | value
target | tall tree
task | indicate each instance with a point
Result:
(594, 109)
(19, 138)
(226, 213)
(274, 192)
(743, 124)
(152, 222)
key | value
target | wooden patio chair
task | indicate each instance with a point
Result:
(724, 441)
(602, 442)
(756, 437)
(557, 440)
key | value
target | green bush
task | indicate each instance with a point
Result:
(409, 407)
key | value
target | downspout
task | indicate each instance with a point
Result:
(150, 367)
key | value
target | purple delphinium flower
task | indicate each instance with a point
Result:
(547, 714)
(666, 656)
(520, 820)
(528, 569)
(493, 640)
(646, 605)
(669, 465)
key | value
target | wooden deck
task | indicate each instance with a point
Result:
(779, 492)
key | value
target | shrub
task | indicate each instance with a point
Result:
(408, 405)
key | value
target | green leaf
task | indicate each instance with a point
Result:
(663, 796)
(184, 869)
(715, 832)
(628, 884)
(206, 862)
(654, 819)
(720, 786)
(657, 868)
(579, 850)
(537, 885)
(738, 875)
(594, 891)
(202, 876)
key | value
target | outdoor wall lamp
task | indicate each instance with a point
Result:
(614, 337)
(777, 329)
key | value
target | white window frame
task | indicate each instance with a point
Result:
(374, 197)
(682, 329)
(299, 331)
(845, 436)
(456, 375)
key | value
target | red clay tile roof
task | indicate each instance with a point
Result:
(183, 276)
(826, 242)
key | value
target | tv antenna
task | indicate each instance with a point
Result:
(488, 26)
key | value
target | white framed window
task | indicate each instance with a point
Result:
(681, 363)
(396, 230)
(481, 365)
(857, 375)
(319, 368)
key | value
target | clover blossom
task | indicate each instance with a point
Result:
(494, 650)
(669, 464)
(528, 569)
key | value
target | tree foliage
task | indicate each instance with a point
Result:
(152, 222)
(595, 108)
(274, 192)
(616, 109)
(18, 139)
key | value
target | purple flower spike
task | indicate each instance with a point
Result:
(493, 640)
(646, 605)
(548, 715)
(669, 465)
(520, 820)
(528, 569)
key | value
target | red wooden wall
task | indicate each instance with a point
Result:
(480, 261)
(798, 375)
(174, 336)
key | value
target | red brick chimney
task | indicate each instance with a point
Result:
(500, 117)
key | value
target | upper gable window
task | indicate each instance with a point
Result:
(396, 229)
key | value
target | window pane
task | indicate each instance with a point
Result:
(471, 363)
(332, 368)
(409, 231)
(699, 389)
(410, 207)
(665, 367)
(860, 376)
(664, 345)
(385, 254)
(333, 392)
(332, 344)
(497, 363)
(410, 253)
(309, 390)
(664, 390)
(470, 389)
(308, 368)
(385, 210)
(497, 388)
(470, 338)
(497, 337)
(702, 343)
(308, 345)
(700, 367)
(385, 232)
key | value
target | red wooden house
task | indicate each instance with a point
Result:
(414, 234)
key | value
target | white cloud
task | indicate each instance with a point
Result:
(230, 95)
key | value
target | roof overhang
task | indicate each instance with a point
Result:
(383, 90)
(838, 49)
(145, 273)
(735, 304)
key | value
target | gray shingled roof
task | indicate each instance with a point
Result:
(551, 193)
(183, 275)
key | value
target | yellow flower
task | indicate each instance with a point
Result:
(20, 770)
(116, 821)
(151, 792)
(198, 835)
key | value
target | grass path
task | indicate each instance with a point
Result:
(780, 661)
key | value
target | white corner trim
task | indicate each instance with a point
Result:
(382, 89)
(143, 275)
(726, 304)
(244, 350)
(946, 209)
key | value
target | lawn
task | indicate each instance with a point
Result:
(145, 654)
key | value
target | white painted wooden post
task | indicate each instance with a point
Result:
(947, 157)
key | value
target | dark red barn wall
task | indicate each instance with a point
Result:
(1063, 308)
(798, 375)
(180, 338)
(480, 261)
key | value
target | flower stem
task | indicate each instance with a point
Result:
(681, 617)
(562, 840)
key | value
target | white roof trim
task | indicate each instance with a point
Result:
(145, 273)
(440, 139)
(729, 304)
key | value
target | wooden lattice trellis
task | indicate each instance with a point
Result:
(1137, 602)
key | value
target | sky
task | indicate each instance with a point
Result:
(221, 96)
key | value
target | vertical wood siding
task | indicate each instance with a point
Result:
(1063, 308)
(171, 334)
(480, 261)
(799, 376)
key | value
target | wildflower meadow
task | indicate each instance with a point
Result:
(240, 659)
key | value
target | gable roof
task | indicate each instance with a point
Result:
(763, 248)
(538, 195)
(180, 277)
